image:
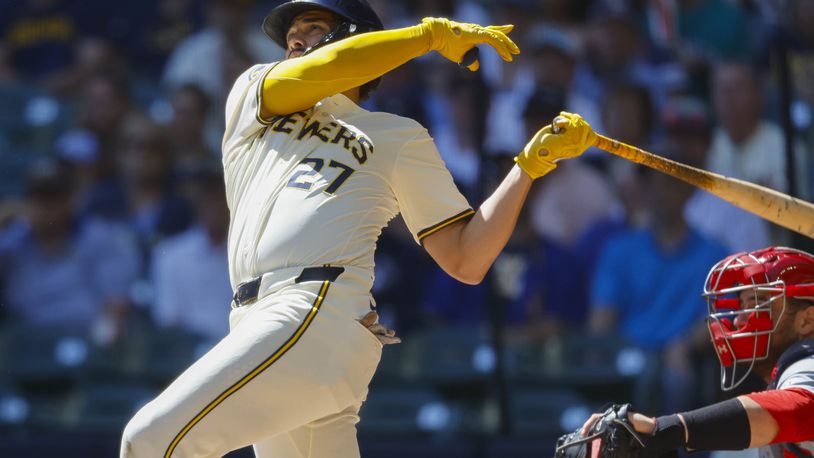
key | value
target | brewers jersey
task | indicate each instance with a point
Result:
(317, 187)
(304, 190)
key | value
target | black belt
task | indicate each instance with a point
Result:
(247, 292)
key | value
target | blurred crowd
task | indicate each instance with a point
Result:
(113, 215)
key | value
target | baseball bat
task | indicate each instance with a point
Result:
(779, 208)
(470, 57)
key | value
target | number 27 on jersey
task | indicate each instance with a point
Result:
(305, 177)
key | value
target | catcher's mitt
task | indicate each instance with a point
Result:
(610, 437)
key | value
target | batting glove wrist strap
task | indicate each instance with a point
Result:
(534, 169)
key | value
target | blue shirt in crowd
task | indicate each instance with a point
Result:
(656, 293)
(69, 287)
(544, 270)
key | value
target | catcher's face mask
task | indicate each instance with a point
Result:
(746, 299)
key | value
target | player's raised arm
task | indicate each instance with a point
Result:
(305, 78)
(467, 249)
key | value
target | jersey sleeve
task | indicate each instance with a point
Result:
(792, 408)
(243, 117)
(798, 375)
(427, 196)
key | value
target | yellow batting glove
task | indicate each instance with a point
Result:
(566, 137)
(453, 39)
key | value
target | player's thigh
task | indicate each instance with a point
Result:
(257, 381)
(330, 437)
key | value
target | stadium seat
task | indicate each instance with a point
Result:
(160, 355)
(581, 361)
(15, 408)
(108, 407)
(32, 118)
(448, 356)
(46, 356)
(408, 411)
(391, 367)
(546, 413)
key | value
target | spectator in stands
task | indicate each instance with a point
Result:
(397, 93)
(577, 196)
(627, 113)
(510, 85)
(190, 107)
(553, 55)
(453, 114)
(93, 55)
(402, 275)
(153, 206)
(797, 42)
(61, 270)
(746, 146)
(197, 58)
(8, 74)
(41, 34)
(614, 52)
(103, 106)
(150, 30)
(624, 205)
(711, 30)
(563, 207)
(102, 109)
(200, 59)
(641, 281)
(688, 129)
(190, 270)
(533, 285)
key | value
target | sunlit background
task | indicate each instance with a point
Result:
(113, 274)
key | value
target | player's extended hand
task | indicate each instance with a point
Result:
(453, 39)
(566, 137)
(610, 434)
(385, 335)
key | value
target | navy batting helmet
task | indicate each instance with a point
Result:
(358, 17)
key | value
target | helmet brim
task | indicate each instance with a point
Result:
(278, 21)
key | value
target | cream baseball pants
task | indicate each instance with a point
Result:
(289, 379)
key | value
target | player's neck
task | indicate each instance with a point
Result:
(353, 94)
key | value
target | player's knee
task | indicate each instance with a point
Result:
(139, 438)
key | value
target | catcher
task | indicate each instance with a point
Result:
(761, 320)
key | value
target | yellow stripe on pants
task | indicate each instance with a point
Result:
(255, 372)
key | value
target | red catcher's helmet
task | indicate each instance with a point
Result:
(740, 291)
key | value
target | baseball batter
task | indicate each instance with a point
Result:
(311, 180)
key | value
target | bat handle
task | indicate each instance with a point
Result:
(606, 144)
(470, 57)
(618, 148)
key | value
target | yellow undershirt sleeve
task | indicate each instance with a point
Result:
(297, 84)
